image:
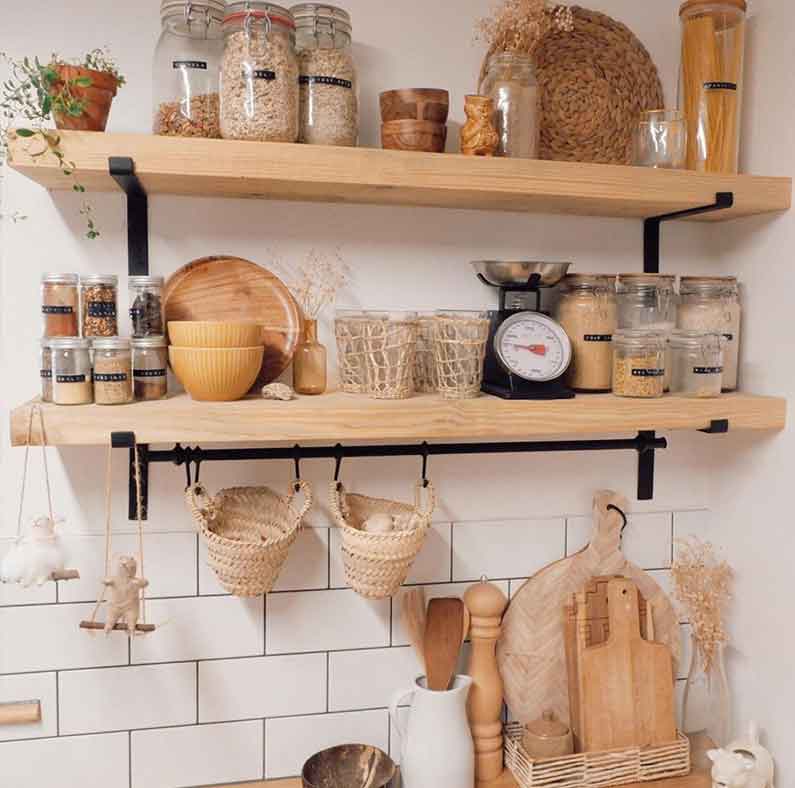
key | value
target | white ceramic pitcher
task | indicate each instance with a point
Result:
(437, 748)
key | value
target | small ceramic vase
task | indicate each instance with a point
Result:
(547, 738)
(478, 135)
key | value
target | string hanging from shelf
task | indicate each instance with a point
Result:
(126, 611)
(36, 557)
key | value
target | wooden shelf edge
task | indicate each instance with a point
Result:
(193, 166)
(336, 417)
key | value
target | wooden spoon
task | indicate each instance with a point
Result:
(444, 628)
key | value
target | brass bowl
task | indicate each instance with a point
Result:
(349, 766)
(501, 273)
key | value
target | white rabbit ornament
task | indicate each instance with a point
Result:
(743, 764)
(35, 557)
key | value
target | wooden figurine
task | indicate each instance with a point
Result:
(478, 135)
(486, 604)
(124, 605)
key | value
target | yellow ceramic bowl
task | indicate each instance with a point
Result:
(209, 334)
(216, 374)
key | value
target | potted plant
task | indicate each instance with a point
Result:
(74, 95)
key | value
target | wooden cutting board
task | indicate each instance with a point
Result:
(627, 683)
(531, 652)
(230, 288)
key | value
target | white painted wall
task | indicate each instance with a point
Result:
(216, 648)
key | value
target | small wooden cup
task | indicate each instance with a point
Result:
(416, 135)
(547, 738)
(415, 104)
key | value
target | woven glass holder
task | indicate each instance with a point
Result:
(390, 342)
(460, 347)
(349, 330)
(426, 381)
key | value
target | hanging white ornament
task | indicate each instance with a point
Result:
(35, 557)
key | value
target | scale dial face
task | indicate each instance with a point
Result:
(533, 347)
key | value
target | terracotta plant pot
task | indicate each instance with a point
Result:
(98, 97)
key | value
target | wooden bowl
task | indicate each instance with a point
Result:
(216, 374)
(349, 766)
(212, 333)
(416, 135)
(415, 104)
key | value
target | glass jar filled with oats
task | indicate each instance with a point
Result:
(98, 305)
(259, 73)
(638, 363)
(187, 60)
(329, 104)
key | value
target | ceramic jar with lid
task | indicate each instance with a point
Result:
(71, 371)
(639, 363)
(259, 73)
(588, 313)
(60, 305)
(112, 371)
(696, 363)
(329, 102)
(712, 303)
(185, 73)
(547, 737)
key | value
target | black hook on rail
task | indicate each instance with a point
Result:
(338, 455)
(426, 450)
(297, 461)
(613, 507)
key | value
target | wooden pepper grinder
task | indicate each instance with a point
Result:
(486, 604)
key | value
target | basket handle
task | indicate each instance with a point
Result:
(198, 500)
(426, 509)
(299, 485)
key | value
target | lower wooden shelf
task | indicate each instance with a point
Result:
(337, 417)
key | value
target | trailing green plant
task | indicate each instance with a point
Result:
(33, 92)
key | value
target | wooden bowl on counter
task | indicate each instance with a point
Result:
(416, 135)
(415, 104)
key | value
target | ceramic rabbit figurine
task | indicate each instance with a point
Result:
(125, 595)
(743, 764)
(35, 557)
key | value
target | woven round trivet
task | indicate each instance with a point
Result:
(594, 83)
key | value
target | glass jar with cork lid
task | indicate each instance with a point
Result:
(71, 371)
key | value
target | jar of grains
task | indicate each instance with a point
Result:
(146, 305)
(149, 361)
(45, 366)
(713, 304)
(60, 305)
(696, 363)
(71, 372)
(187, 60)
(638, 363)
(329, 102)
(259, 73)
(98, 297)
(112, 371)
(588, 313)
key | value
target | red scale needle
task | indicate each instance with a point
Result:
(539, 350)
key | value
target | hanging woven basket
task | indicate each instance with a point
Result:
(377, 564)
(249, 532)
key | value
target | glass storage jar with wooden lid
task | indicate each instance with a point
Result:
(187, 60)
(696, 363)
(150, 365)
(71, 371)
(329, 87)
(638, 363)
(712, 303)
(60, 305)
(112, 371)
(259, 73)
(588, 313)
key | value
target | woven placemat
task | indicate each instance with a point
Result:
(594, 84)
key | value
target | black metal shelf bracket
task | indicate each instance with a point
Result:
(122, 170)
(651, 228)
(717, 427)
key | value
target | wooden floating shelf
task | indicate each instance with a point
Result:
(348, 417)
(226, 168)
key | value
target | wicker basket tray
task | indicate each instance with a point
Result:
(595, 769)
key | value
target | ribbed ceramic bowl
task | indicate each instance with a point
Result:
(211, 334)
(216, 374)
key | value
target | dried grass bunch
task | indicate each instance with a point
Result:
(317, 281)
(702, 584)
(520, 25)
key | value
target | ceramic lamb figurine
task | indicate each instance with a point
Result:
(125, 588)
(35, 557)
(743, 764)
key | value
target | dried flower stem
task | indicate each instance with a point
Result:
(317, 281)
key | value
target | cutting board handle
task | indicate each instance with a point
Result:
(606, 536)
(623, 609)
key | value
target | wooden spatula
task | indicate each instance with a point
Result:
(444, 633)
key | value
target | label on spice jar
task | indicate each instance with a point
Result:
(598, 337)
(261, 73)
(199, 65)
(70, 378)
(149, 373)
(46, 374)
(707, 370)
(110, 377)
(320, 80)
(648, 373)
(716, 85)
(57, 310)
(101, 309)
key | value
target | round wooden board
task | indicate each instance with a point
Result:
(531, 652)
(230, 288)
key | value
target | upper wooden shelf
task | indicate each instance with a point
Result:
(225, 168)
(348, 417)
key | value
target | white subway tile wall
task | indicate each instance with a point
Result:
(229, 690)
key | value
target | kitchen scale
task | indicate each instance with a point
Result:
(528, 352)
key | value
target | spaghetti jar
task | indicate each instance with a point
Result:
(712, 303)
(71, 371)
(112, 371)
(150, 362)
(711, 82)
(588, 312)
(60, 305)
(98, 299)
(638, 364)
(45, 367)
(696, 364)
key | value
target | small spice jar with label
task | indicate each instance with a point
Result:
(71, 371)
(638, 363)
(146, 306)
(112, 371)
(60, 305)
(696, 363)
(45, 365)
(150, 361)
(99, 296)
